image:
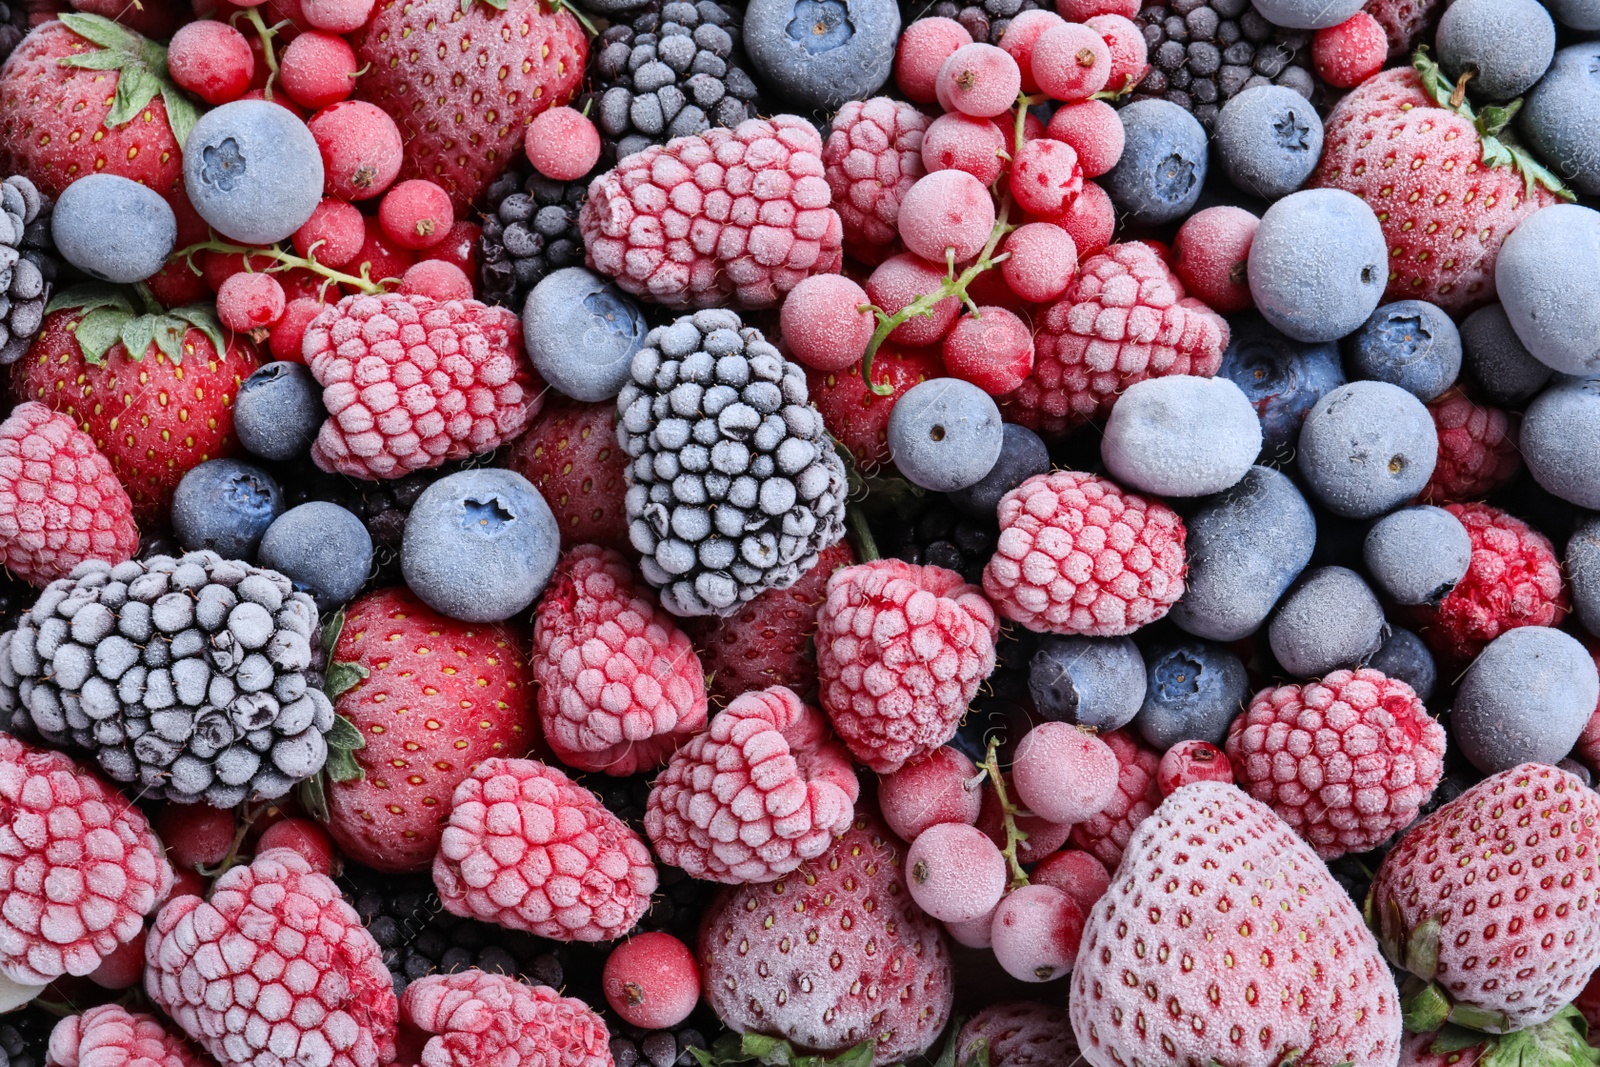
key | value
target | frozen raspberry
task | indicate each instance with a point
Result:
(1105, 835)
(1477, 450)
(1019, 1034)
(562, 144)
(764, 789)
(901, 650)
(475, 1018)
(529, 849)
(1129, 51)
(979, 80)
(416, 214)
(361, 150)
(872, 158)
(922, 50)
(273, 967)
(1345, 761)
(60, 501)
(1021, 35)
(992, 349)
(1514, 580)
(1211, 253)
(78, 863)
(411, 383)
(937, 788)
(948, 212)
(1091, 220)
(1094, 131)
(724, 217)
(767, 641)
(1076, 873)
(1353, 51)
(823, 324)
(620, 687)
(651, 981)
(1125, 319)
(896, 283)
(1078, 555)
(112, 1036)
(1044, 260)
(857, 417)
(955, 873)
(961, 142)
(1192, 761)
(1071, 62)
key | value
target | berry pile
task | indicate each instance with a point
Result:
(687, 533)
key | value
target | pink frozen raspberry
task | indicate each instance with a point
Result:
(620, 687)
(1019, 1034)
(411, 383)
(529, 849)
(79, 866)
(1125, 319)
(901, 650)
(60, 501)
(764, 789)
(1345, 761)
(112, 1036)
(1079, 555)
(273, 968)
(872, 158)
(726, 217)
(1138, 795)
(473, 1018)
(1477, 450)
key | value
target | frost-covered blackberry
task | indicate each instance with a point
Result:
(733, 487)
(197, 678)
(27, 264)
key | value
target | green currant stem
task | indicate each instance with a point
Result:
(866, 544)
(247, 818)
(285, 261)
(266, 33)
(1008, 816)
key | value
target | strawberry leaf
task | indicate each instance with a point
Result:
(1452, 1038)
(1422, 950)
(203, 318)
(1560, 1042)
(1426, 1010)
(103, 59)
(138, 334)
(1479, 1018)
(98, 331)
(980, 1054)
(181, 116)
(136, 87)
(343, 677)
(343, 740)
(97, 29)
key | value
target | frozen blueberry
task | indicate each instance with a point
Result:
(112, 228)
(1181, 435)
(1087, 681)
(1163, 164)
(1505, 45)
(821, 53)
(944, 434)
(1410, 343)
(1526, 698)
(1560, 440)
(1193, 691)
(1245, 547)
(1269, 139)
(225, 505)
(1366, 447)
(1581, 15)
(1559, 117)
(1307, 14)
(278, 411)
(1417, 555)
(1548, 276)
(1022, 455)
(581, 333)
(1318, 264)
(1330, 620)
(324, 549)
(480, 545)
(1404, 656)
(253, 171)
(1281, 377)
(1583, 572)
(1497, 359)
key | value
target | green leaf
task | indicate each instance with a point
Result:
(332, 627)
(203, 317)
(342, 677)
(313, 796)
(97, 29)
(182, 114)
(342, 766)
(88, 297)
(169, 336)
(136, 87)
(1479, 1018)
(859, 1056)
(980, 1054)
(1422, 950)
(98, 331)
(138, 334)
(1426, 1010)
(1560, 1042)
(104, 59)
(1452, 1038)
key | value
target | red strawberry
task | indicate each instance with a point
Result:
(832, 955)
(767, 641)
(1494, 900)
(570, 453)
(154, 390)
(857, 417)
(1224, 940)
(85, 95)
(439, 697)
(462, 80)
(1446, 189)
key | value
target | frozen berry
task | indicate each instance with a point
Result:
(437, 279)
(249, 301)
(1020, 37)
(823, 324)
(1046, 177)
(945, 434)
(1353, 51)
(1036, 932)
(897, 282)
(1077, 874)
(337, 16)
(1129, 51)
(416, 214)
(124, 967)
(1188, 762)
(290, 330)
(651, 981)
(562, 144)
(1022, 455)
(361, 148)
(961, 142)
(1096, 682)
(212, 60)
(1091, 220)
(196, 835)
(979, 80)
(333, 234)
(948, 211)
(955, 873)
(1084, 10)
(1268, 139)
(303, 836)
(1092, 128)
(1064, 774)
(1211, 254)
(1071, 62)
(937, 788)
(992, 349)
(318, 69)
(923, 48)
(1043, 261)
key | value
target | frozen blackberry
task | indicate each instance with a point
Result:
(941, 536)
(28, 264)
(633, 1047)
(671, 70)
(529, 230)
(1203, 53)
(733, 485)
(986, 20)
(25, 1037)
(198, 678)
(418, 937)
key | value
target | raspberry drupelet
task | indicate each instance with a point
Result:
(1477, 450)
(477, 1017)
(1079, 555)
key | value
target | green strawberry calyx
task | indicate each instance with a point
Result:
(338, 678)
(1500, 146)
(1563, 1041)
(769, 1051)
(141, 66)
(110, 318)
